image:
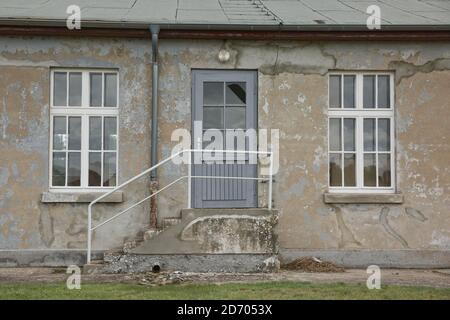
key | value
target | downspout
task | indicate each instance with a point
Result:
(154, 29)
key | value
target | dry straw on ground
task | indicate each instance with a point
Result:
(311, 264)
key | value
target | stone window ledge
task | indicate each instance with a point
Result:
(367, 198)
(79, 197)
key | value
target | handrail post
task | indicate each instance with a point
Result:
(269, 201)
(89, 235)
(189, 180)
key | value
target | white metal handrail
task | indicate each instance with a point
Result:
(189, 177)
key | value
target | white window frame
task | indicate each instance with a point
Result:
(84, 111)
(359, 113)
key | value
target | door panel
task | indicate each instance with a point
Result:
(224, 101)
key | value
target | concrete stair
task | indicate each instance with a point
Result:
(213, 240)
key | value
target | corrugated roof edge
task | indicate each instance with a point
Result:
(234, 27)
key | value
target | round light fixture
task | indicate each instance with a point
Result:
(224, 55)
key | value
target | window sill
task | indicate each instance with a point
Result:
(80, 197)
(355, 198)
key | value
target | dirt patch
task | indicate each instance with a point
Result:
(311, 264)
(429, 278)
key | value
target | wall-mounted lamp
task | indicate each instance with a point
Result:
(224, 55)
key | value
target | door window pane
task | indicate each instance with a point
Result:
(212, 118)
(59, 169)
(349, 134)
(349, 91)
(335, 134)
(369, 134)
(384, 135)
(75, 89)
(369, 92)
(109, 169)
(383, 92)
(95, 169)
(349, 170)
(335, 170)
(59, 133)
(95, 133)
(235, 118)
(110, 134)
(335, 91)
(370, 171)
(95, 89)
(213, 93)
(60, 89)
(110, 90)
(384, 170)
(74, 169)
(235, 93)
(74, 133)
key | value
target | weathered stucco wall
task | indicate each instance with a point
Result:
(292, 97)
(25, 65)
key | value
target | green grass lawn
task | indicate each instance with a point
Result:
(272, 290)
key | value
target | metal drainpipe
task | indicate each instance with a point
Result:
(154, 29)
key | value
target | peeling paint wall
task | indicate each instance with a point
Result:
(292, 97)
(25, 222)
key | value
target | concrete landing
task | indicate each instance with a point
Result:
(216, 231)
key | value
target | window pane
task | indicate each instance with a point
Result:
(335, 170)
(335, 134)
(349, 170)
(369, 92)
(74, 169)
(109, 169)
(95, 133)
(60, 89)
(369, 134)
(384, 170)
(110, 133)
(370, 171)
(335, 91)
(349, 91)
(75, 89)
(95, 89)
(59, 169)
(213, 93)
(74, 133)
(59, 133)
(235, 118)
(384, 135)
(95, 169)
(212, 118)
(383, 92)
(349, 134)
(110, 90)
(235, 93)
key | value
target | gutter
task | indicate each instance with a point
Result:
(233, 34)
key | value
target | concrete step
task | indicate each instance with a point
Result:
(215, 231)
(136, 263)
(96, 266)
(169, 222)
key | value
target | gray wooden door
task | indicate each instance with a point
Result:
(225, 101)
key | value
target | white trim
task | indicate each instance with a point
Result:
(85, 111)
(359, 114)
